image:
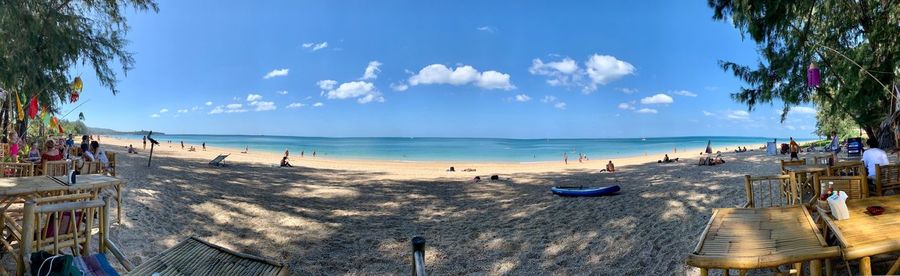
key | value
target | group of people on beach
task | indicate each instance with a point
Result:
(55, 149)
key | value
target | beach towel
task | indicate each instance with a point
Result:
(96, 265)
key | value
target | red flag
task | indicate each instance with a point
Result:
(60, 128)
(33, 107)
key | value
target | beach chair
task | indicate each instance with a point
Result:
(887, 177)
(16, 169)
(851, 168)
(111, 166)
(194, 256)
(66, 223)
(219, 161)
(775, 190)
(56, 168)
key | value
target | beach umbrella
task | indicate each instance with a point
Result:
(813, 78)
(709, 146)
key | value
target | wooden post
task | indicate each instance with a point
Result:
(815, 267)
(104, 224)
(748, 185)
(865, 266)
(28, 236)
(418, 256)
(151, 155)
(704, 271)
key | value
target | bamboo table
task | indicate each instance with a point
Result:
(194, 256)
(18, 188)
(748, 238)
(862, 236)
(803, 175)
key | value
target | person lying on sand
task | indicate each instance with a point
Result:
(667, 160)
(468, 170)
(476, 179)
(609, 167)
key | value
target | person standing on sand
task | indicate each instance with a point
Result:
(314, 153)
(795, 149)
(301, 153)
(566, 158)
(182, 145)
(145, 142)
(204, 146)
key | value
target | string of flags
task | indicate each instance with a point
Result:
(46, 118)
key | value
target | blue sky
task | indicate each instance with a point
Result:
(516, 69)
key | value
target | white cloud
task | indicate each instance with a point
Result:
(315, 46)
(282, 92)
(603, 69)
(164, 110)
(276, 73)
(230, 108)
(628, 90)
(234, 106)
(522, 98)
(548, 99)
(560, 106)
(738, 115)
(658, 99)
(363, 92)
(217, 110)
(803, 110)
(463, 75)
(707, 113)
(154, 115)
(399, 86)
(263, 106)
(489, 29)
(182, 110)
(684, 93)
(599, 70)
(626, 106)
(318, 104)
(295, 105)
(647, 111)
(372, 70)
(253, 97)
(208, 103)
(195, 108)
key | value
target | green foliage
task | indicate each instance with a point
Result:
(855, 43)
(828, 122)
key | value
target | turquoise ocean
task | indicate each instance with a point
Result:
(462, 149)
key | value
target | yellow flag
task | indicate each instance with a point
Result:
(19, 108)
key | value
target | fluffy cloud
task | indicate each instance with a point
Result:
(234, 106)
(707, 113)
(548, 99)
(372, 70)
(399, 86)
(282, 92)
(182, 110)
(658, 99)
(295, 105)
(315, 46)
(684, 93)
(628, 90)
(253, 97)
(647, 111)
(598, 70)
(154, 115)
(318, 104)
(522, 98)
(463, 75)
(230, 108)
(208, 103)
(363, 92)
(164, 110)
(276, 73)
(560, 106)
(263, 106)
(555, 101)
(738, 115)
(626, 106)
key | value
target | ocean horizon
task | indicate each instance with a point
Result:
(418, 149)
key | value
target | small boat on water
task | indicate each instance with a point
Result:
(584, 191)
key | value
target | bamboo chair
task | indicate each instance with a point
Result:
(851, 168)
(43, 224)
(56, 168)
(111, 166)
(89, 167)
(774, 189)
(792, 163)
(194, 256)
(887, 177)
(821, 160)
(16, 169)
(854, 186)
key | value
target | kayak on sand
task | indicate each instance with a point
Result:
(584, 191)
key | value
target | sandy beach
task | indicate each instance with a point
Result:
(356, 217)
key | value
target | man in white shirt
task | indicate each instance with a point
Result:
(873, 157)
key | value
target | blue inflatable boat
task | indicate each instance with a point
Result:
(584, 191)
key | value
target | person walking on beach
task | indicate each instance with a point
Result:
(145, 142)
(182, 145)
(566, 158)
(314, 153)
(204, 146)
(301, 154)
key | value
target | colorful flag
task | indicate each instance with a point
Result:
(33, 107)
(19, 108)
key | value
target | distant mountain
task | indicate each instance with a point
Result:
(106, 131)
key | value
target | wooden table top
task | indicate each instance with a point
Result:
(194, 256)
(13, 186)
(806, 168)
(863, 235)
(748, 238)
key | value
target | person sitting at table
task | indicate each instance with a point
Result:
(873, 157)
(34, 155)
(51, 152)
(86, 154)
(99, 154)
